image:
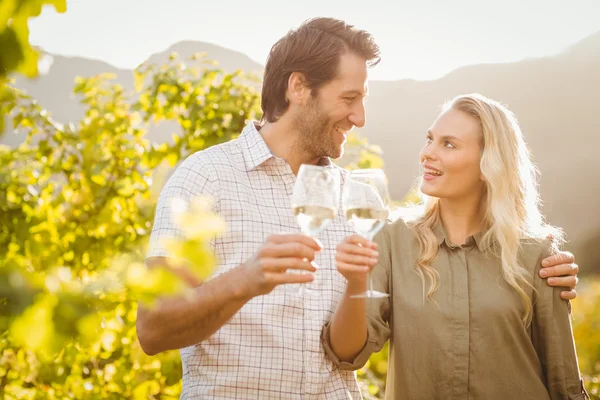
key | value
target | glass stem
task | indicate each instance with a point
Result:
(369, 278)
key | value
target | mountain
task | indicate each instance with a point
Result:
(229, 60)
(54, 91)
(556, 100)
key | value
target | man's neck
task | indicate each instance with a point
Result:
(282, 140)
(462, 218)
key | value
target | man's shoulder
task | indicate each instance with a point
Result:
(214, 158)
(202, 171)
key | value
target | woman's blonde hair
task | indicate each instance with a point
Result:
(511, 198)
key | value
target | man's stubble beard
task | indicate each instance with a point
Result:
(314, 133)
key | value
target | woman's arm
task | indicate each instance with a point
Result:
(359, 327)
(552, 336)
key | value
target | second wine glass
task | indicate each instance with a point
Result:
(365, 202)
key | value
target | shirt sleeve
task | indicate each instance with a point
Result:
(378, 311)
(552, 336)
(194, 177)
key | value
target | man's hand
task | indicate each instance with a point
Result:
(561, 270)
(268, 268)
(182, 321)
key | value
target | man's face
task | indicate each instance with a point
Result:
(338, 106)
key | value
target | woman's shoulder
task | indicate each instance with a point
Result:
(534, 249)
(396, 234)
(398, 227)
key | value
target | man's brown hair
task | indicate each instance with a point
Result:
(313, 49)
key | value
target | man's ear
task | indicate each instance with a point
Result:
(297, 93)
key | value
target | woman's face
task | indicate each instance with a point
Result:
(451, 157)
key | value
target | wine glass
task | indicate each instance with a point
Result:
(315, 200)
(365, 202)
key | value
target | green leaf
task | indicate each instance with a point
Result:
(146, 390)
(125, 188)
(138, 78)
(12, 53)
(59, 5)
(173, 158)
(39, 316)
(99, 180)
(12, 197)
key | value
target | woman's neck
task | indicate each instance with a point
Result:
(462, 218)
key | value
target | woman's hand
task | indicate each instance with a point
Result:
(354, 258)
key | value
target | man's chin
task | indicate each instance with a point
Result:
(336, 154)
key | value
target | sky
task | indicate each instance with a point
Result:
(419, 39)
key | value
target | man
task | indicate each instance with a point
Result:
(243, 335)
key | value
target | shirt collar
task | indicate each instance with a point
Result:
(256, 151)
(254, 148)
(442, 237)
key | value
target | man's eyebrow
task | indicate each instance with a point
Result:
(356, 92)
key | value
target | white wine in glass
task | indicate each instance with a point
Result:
(367, 221)
(315, 200)
(313, 219)
(365, 202)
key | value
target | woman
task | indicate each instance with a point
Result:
(467, 315)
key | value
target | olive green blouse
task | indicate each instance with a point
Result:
(470, 343)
